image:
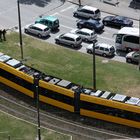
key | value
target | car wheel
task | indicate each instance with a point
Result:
(57, 42)
(39, 35)
(26, 31)
(89, 51)
(129, 50)
(79, 26)
(129, 60)
(75, 15)
(104, 55)
(86, 40)
(72, 45)
(105, 23)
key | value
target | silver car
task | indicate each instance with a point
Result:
(87, 12)
(37, 29)
(133, 57)
(69, 39)
(86, 34)
(102, 49)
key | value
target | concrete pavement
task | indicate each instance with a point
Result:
(123, 8)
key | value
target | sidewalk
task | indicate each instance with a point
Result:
(121, 9)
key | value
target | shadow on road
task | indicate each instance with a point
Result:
(40, 3)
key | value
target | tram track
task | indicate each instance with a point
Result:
(52, 122)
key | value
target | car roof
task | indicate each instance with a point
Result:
(71, 35)
(89, 8)
(92, 21)
(41, 26)
(50, 18)
(86, 30)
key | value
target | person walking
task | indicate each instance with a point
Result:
(3, 33)
(0, 35)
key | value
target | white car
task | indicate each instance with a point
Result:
(133, 57)
(69, 39)
(102, 49)
(37, 29)
(86, 34)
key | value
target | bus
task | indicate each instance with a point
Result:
(127, 39)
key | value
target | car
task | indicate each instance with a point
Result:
(86, 34)
(133, 57)
(51, 21)
(91, 24)
(37, 29)
(119, 21)
(87, 12)
(102, 49)
(69, 39)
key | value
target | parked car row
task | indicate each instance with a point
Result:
(94, 13)
(86, 31)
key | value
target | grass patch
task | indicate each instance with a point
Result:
(74, 66)
(18, 129)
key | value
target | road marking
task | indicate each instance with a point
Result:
(66, 17)
(106, 38)
(55, 14)
(66, 26)
(70, 7)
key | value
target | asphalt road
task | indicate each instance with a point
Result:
(31, 9)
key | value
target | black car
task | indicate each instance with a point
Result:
(119, 21)
(91, 24)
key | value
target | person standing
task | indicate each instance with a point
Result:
(3, 33)
(0, 35)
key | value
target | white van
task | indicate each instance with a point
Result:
(87, 12)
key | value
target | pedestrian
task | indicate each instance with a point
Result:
(3, 33)
(0, 35)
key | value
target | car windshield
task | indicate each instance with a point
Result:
(78, 38)
(46, 29)
(120, 18)
(96, 22)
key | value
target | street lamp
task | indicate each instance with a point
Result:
(79, 2)
(139, 44)
(20, 33)
(36, 92)
(94, 66)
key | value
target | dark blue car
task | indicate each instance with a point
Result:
(91, 24)
(119, 21)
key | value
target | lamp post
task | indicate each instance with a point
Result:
(94, 66)
(139, 45)
(79, 2)
(20, 33)
(36, 84)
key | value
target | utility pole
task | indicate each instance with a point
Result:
(36, 93)
(20, 33)
(79, 3)
(94, 66)
(139, 43)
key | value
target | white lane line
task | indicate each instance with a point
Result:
(55, 14)
(106, 38)
(66, 9)
(70, 18)
(66, 26)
